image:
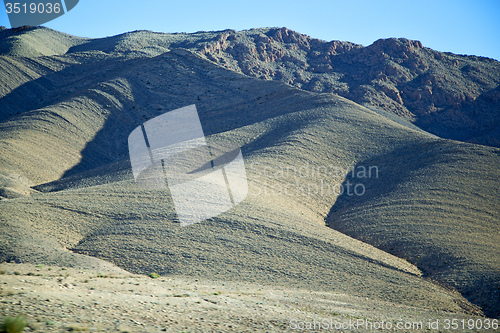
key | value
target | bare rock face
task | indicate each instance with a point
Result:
(452, 96)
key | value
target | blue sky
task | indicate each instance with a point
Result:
(459, 26)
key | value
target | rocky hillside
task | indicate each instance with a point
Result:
(68, 104)
(452, 96)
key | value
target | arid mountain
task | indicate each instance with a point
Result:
(452, 96)
(418, 217)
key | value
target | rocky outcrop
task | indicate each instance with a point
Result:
(450, 95)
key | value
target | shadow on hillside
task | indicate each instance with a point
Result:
(382, 202)
(381, 174)
(59, 86)
(234, 104)
(126, 93)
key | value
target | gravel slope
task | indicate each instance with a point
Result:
(60, 300)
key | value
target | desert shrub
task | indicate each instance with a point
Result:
(77, 328)
(13, 324)
(154, 275)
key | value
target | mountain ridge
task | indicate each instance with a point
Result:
(452, 96)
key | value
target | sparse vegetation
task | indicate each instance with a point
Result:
(77, 328)
(13, 324)
(154, 275)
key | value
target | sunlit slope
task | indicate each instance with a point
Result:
(35, 42)
(278, 240)
(257, 242)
